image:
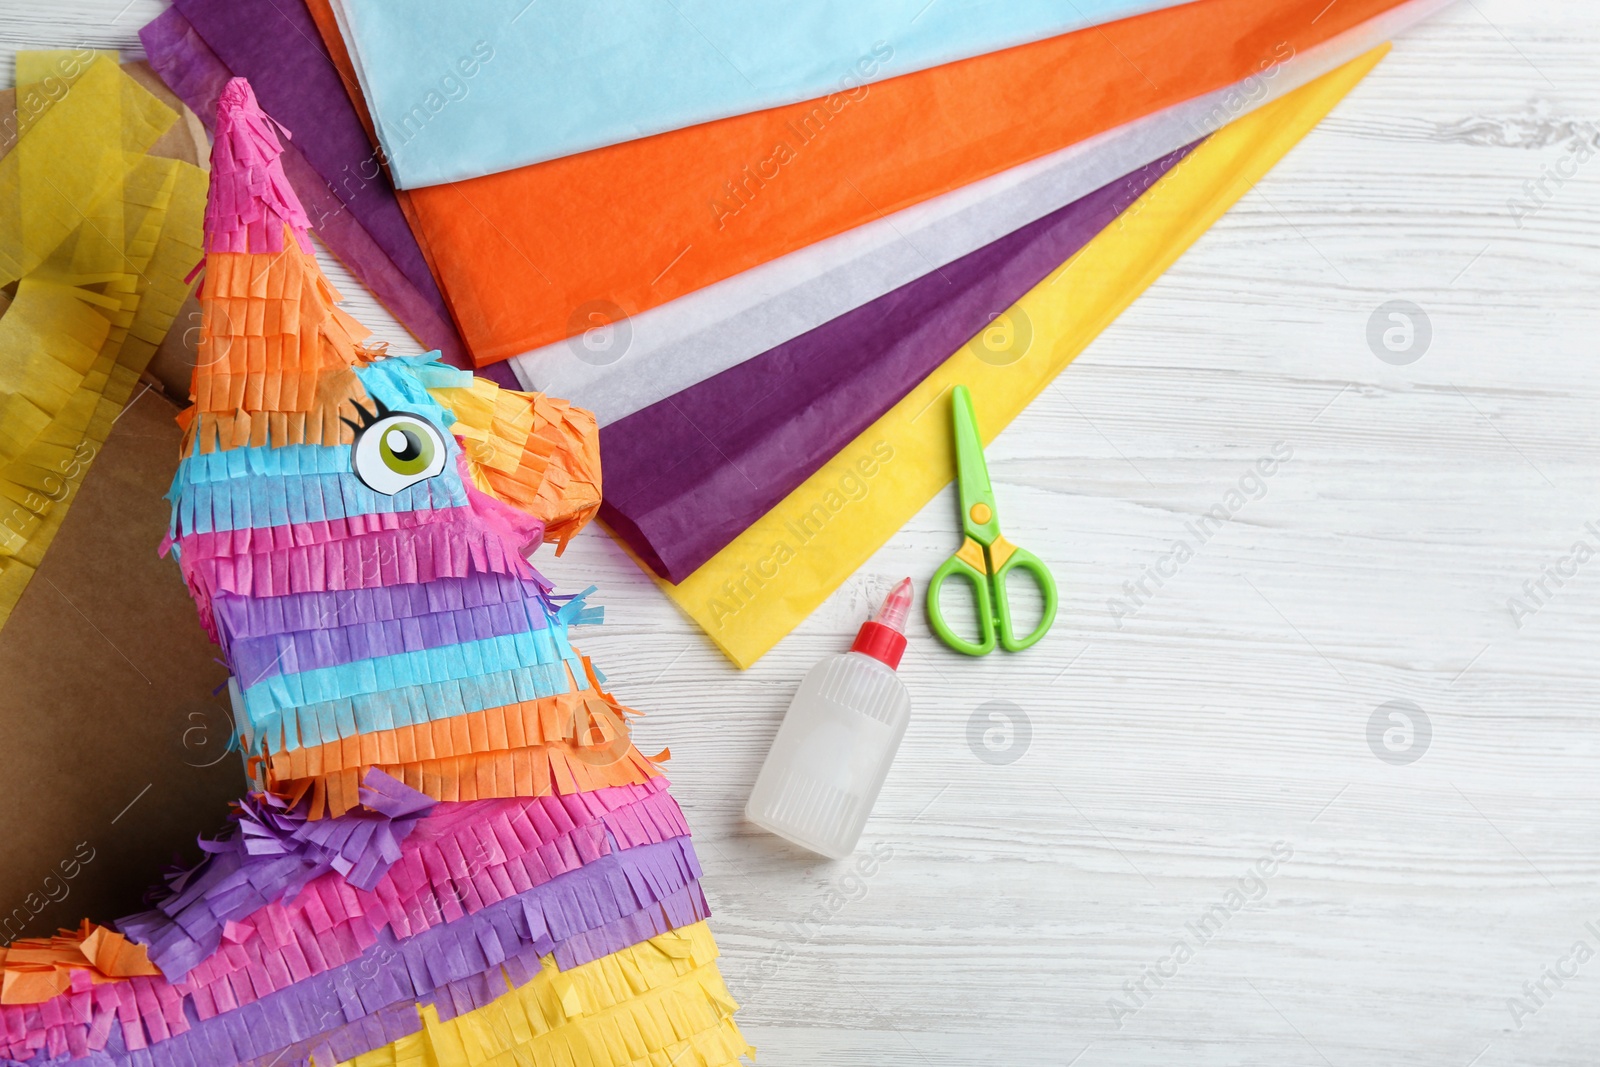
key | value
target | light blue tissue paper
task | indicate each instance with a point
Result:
(478, 87)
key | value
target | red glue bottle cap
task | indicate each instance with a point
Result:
(883, 637)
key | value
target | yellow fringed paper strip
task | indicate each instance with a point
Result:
(531, 451)
(49, 340)
(99, 238)
(768, 580)
(73, 156)
(658, 1003)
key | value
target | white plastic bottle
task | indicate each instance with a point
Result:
(838, 738)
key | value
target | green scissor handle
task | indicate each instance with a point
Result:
(980, 591)
(992, 601)
(1023, 560)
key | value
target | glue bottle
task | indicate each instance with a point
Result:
(838, 738)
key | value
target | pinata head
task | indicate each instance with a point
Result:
(327, 483)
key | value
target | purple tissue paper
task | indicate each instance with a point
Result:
(687, 475)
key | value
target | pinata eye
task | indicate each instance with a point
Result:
(397, 451)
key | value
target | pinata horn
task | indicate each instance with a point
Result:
(251, 199)
(275, 350)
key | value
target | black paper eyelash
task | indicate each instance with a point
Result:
(381, 411)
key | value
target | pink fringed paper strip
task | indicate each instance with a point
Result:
(458, 859)
(251, 200)
(388, 557)
(265, 540)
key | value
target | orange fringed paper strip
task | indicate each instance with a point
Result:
(271, 332)
(589, 720)
(537, 771)
(272, 327)
(568, 743)
(38, 968)
(274, 345)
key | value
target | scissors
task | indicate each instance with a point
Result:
(986, 558)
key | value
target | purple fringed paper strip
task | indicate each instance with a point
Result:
(618, 900)
(458, 859)
(249, 630)
(247, 617)
(328, 643)
(361, 846)
(273, 855)
(385, 796)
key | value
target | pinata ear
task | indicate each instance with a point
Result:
(536, 453)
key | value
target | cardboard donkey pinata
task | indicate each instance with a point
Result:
(451, 853)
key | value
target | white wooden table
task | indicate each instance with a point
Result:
(1028, 911)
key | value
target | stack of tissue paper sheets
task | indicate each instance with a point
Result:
(734, 274)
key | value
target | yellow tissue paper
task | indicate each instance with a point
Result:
(656, 1003)
(775, 574)
(98, 237)
(79, 138)
(50, 339)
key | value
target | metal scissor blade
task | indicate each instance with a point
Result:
(978, 519)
